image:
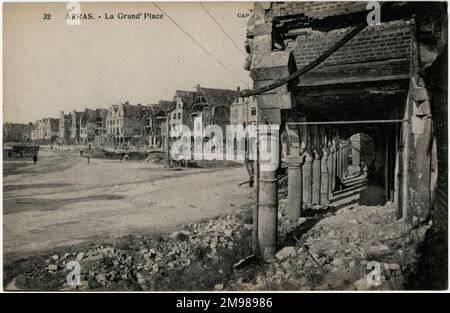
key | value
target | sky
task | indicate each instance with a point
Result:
(50, 66)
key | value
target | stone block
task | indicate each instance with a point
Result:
(275, 101)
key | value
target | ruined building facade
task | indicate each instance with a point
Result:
(87, 127)
(100, 135)
(124, 124)
(212, 107)
(45, 131)
(393, 72)
(65, 128)
(243, 111)
(15, 132)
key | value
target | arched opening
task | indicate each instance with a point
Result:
(369, 164)
(362, 153)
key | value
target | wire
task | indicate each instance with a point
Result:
(200, 45)
(222, 29)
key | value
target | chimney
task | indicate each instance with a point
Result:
(238, 88)
(198, 87)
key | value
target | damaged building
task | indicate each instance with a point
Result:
(65, 128)
(324, 75)
(124, 124)
(45, 131)
(16, 132)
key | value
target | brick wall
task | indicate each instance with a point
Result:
(316, 9)
(386, 41)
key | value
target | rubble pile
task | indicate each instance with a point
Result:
(361, 248)
(136, 263)
(311, 213)
(155, 157)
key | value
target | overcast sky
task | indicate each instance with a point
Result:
(50, 66)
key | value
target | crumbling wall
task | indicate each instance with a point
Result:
(379, 42)
(316, 9)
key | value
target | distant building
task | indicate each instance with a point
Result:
(87, 127)
(65, 127)
(45, 131)
(212, 107)
(14, 132)
(182, 112)
(243, 111)
(75, 132)
(100, 127)
(51, 130)
(124, 124)
(154, 118)
(205, 106)
(36, 130)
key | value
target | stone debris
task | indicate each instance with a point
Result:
(318, 252)
(286, 252)
(136, 263)
(80, 256)
(218, 287)
(345, 244)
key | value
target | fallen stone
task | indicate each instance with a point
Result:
(52, 267)
(322, 287)
(100, 278)
(180, 235)
(55, 257)
(392, 266)
(80, 256)
(361, 284)
(286, 252)
(338, 263)
(218, 287)
(376, 251)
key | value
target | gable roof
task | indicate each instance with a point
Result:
(163, 106)
(186, 96)
(219, 97)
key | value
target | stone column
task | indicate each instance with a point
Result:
(307, 178)
(338, 160)
(342, 161)
(268, 202)
(356, 153)
(324, 181)
(345, 169)
(295, 191)
(349, 154)
(335, 164)
(331, 160)
(316, 178)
